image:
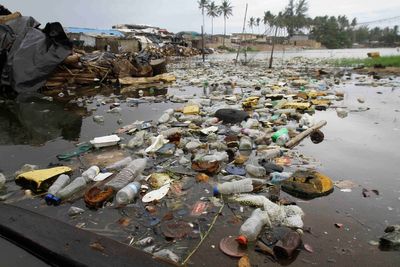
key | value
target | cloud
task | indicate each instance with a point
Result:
(178, 15)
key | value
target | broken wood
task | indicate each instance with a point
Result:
(298, 138)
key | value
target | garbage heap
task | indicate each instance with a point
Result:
(228, 152)
(171, 50)
(83, 69)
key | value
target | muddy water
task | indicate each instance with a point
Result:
(363, 147)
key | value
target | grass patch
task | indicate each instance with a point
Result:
(386, 61)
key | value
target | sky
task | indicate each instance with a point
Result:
(180, 15)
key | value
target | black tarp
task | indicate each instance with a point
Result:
(29, 55)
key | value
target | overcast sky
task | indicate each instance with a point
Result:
(179, 15)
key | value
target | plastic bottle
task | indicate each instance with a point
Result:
(75, 186)
(119, 164)
(127, 174)
(256, 171)
(245, 143)
(240, 186)
(90, 173)
(59, 184)
(127, 194)
(281, 137)
(251, 228)
(278, 177)
(271, 154)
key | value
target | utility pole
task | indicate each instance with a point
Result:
(202, 43)
(244, 26)
(273, 47)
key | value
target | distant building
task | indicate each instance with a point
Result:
(98, 39)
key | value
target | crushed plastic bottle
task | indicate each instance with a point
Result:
(127, 174)
(251, 228)
(241, 186)
(270, 154)
(281, 137)
(256, 171)
(119, 164)
(127, 194)
(245, 144)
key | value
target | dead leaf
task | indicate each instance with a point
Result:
(97, 246)
(244, 262)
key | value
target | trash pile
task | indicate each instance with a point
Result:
(171, 50)
(167, 181)
(83, 69)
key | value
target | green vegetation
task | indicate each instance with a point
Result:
(387, 61)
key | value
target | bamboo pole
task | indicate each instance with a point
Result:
(298, 138)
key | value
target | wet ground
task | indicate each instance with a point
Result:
(363, 147)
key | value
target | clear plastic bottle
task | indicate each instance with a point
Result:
(127, 194)
(241, 186)
(59, 184)
(256, 171)
(278, 177)
(90, 173)
(251, 228)
(271, 154)
(127, 174)
(119, 164)
(164, 118)
(75, 186)
(245, 143)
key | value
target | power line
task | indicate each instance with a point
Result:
(378, 21)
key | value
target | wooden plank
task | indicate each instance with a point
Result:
(61, 244)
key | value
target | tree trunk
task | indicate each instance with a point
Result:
(223, 41)
(212, 26)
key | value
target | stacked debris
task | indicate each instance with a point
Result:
(171, 50)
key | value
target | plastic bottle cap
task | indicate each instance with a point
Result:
(215, 191)
(242, 240)
(49, 199)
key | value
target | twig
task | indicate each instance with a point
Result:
(204, 237)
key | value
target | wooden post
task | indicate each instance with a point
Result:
(298, 138)
(244, 26)
(202, 42)
(273, 47)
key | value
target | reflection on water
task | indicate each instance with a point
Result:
(33, 120)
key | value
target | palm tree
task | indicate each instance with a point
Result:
(202, 6)
(213, 11)
(226, 10)
(258, 24)
(252, 23)
(268, 19)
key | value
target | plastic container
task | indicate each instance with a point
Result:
(75, 186)
(251, 228)
(104, 141)
(256, 171)
(271, 154)
(245, 144)
(119, 164)
(128, 174)
(90, 173)
(240, 186)
(278, 177)
(127, 194)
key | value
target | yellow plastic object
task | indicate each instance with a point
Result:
(315, 94)
(36, 180)
(308, 184)
(297, 105)
(191, 110)
(250, 102)
(323, 102)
